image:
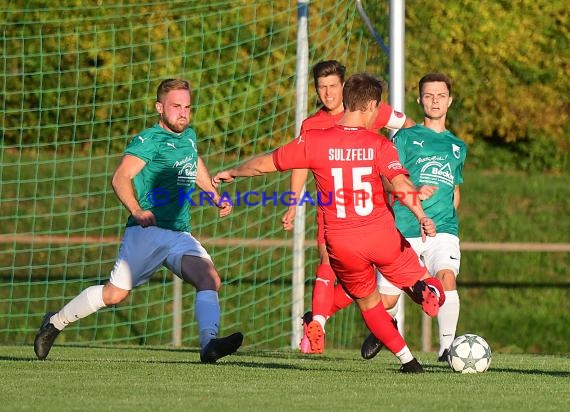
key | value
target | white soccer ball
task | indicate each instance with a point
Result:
(469, 353)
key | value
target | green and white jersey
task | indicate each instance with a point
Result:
(169, 174)
(434, 159)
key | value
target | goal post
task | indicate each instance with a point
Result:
(397, 94)
(298, 275)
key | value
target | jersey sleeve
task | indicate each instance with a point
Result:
(388, 162)
(384, 112)
(389, 118)
(459, 169)
(293, 155)
(143, 147)
(399, 141)
(307, 124)
(303, 128)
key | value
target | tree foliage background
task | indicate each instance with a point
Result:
(81, 76)
(509, 62)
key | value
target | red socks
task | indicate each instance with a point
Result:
(382, 326)
(323, 290)
(328, 298)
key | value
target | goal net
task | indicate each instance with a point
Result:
(78, 81)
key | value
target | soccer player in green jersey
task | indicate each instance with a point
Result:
(434, 157)
(154, 179)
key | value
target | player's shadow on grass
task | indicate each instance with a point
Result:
(274, 354)
(15, 359)
(232, 360)
(279, 354)
(193, 356)
(557, 374)
(236, 359)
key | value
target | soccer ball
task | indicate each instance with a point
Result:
(469, 353)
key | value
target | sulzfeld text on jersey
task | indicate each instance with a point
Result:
(349, 155)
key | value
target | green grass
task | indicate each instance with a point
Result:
(164, 379)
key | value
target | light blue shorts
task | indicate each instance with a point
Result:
(144, 250)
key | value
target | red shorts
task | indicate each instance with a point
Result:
(354, 254)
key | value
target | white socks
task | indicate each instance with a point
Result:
(89, 301)
(207, 312)
(447, 319)
(405, 355)
(393, 311)
(321, 319)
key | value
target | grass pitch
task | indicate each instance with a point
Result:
(165, 379)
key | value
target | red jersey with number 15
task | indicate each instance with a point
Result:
(347, 163)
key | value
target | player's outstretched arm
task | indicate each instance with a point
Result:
(298, 180)
(423, 192)
(256, 166)
(409, 196)
(205, 183)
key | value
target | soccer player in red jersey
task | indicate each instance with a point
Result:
(328, 298)
(347, 162)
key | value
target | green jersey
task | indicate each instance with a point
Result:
(434, 159)
(168, 176)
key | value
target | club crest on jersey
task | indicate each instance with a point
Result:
(395, 165)
(456, 151)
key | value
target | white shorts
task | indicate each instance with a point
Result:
(439, 252)
(144, 250)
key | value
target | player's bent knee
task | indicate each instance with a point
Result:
(447, 279)
(112, 295)
(389, 301)
(208, 281)
(200, 273)
(217, 283)
(393, 311)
